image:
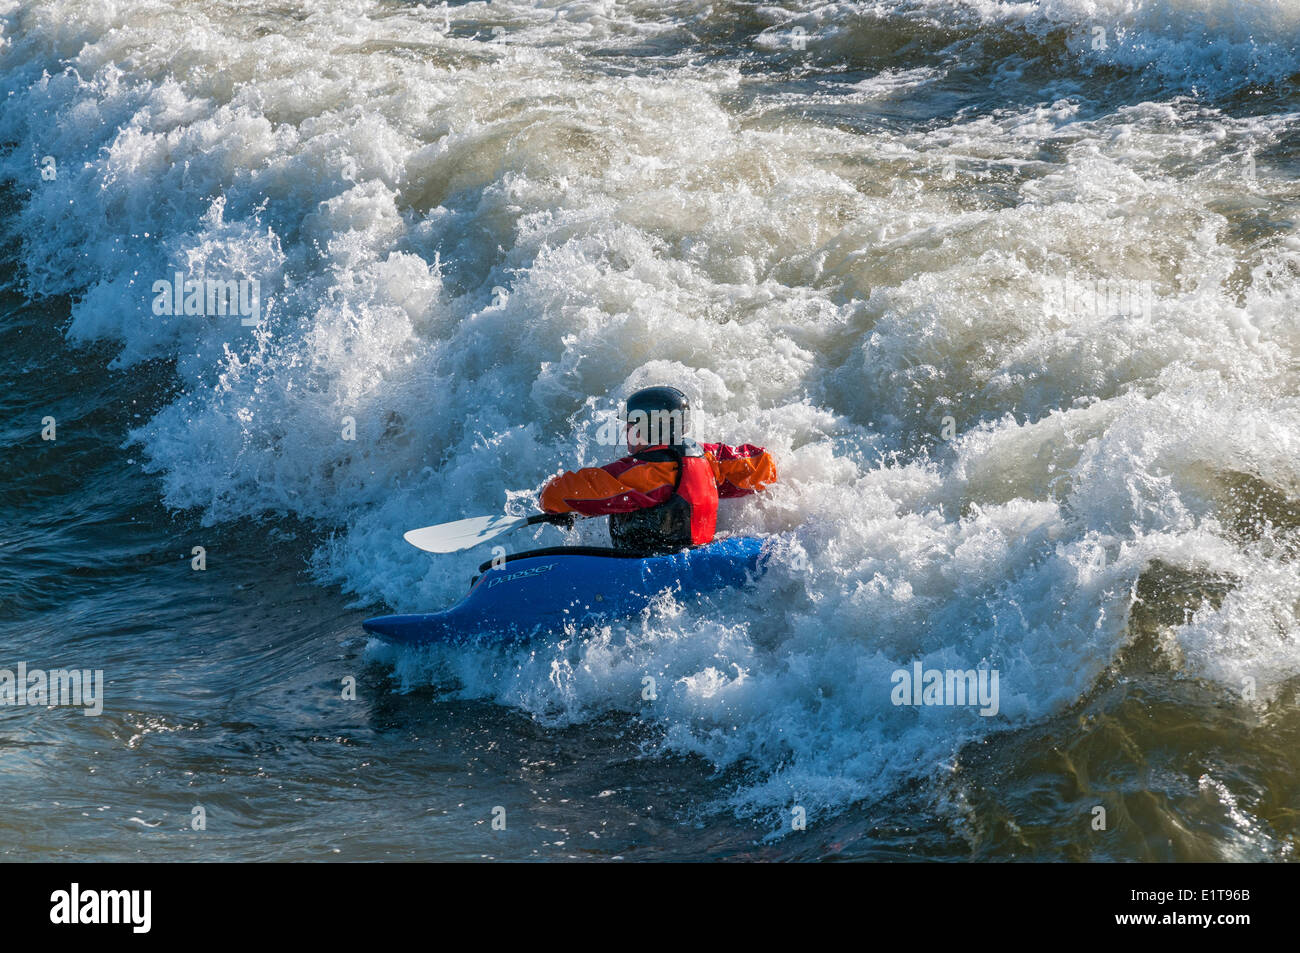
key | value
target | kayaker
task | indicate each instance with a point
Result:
(664, 494)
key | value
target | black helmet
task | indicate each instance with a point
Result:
(663, 412)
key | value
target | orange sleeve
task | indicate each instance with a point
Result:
(741, 470)
(618, 488)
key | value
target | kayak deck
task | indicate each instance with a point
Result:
(550, 588)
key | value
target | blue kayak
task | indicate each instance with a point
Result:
(547, 589)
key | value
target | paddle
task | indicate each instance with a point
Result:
(467, 533)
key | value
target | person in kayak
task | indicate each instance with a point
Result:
(663, 496)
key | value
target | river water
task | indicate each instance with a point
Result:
(1009, 290)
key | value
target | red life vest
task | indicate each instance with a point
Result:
(687, 518)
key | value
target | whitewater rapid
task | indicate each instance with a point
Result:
(475, 240)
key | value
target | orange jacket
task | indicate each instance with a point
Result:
(629, 484)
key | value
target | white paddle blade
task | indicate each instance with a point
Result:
(462, 534)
